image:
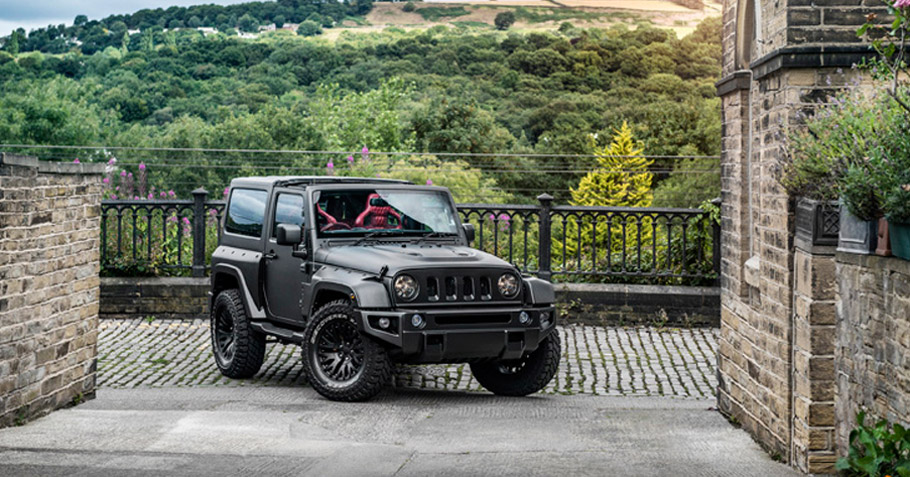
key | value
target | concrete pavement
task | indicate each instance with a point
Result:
(290, 430)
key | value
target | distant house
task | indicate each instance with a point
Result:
(207, 30)
(132, 32)
(269, 27)
(248, 36)
(290, 26)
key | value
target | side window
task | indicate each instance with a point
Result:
(288, 210)
(245, 212)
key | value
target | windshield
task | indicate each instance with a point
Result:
(341, 213)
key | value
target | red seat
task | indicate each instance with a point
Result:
(376, 214)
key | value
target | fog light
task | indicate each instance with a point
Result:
(417, 321)
(524, 318)
(544, 319)
(384, 323)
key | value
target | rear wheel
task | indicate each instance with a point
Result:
(239, 350)
(520, 377)
(342, 363)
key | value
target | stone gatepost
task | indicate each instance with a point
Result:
(775, 351)
(49, 285)
(814, 331)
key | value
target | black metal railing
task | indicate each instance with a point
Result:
(645, 245)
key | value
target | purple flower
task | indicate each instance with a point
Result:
(226, 190)
(171, 193)
(122, 173)
(135, 197)
(186, 221)
(141, 166)
(163, 194)
(113, 197)
(350, 159)
(112, 161)
(901, 3)
(330, 165)
(429, 181)
(172, 218)
(76, 161)
(106, 180)
(151, 196)
(365, 154)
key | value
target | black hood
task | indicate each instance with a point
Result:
(371, 258)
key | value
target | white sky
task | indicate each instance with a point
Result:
(30, 14)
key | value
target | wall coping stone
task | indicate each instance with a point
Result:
(172, 281)
(875, 262)
(48, 167)
(820, 56)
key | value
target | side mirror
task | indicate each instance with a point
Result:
(289, 234)
(468, 232)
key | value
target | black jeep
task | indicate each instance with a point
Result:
(363, 272)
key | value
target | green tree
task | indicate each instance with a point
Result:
(248, 23)
(504, 20)
(309, 28)
(621, 177)
(80, 20)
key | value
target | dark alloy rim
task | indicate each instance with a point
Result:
(224, 335)
(339, 351)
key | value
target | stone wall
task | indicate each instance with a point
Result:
(153, 297)
(49, 263)
(597, 304)
(872, 356)
(775, 353)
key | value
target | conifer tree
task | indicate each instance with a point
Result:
(621, 178)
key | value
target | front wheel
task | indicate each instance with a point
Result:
(341, 363)
(520, 377)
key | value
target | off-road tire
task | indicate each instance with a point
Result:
(248, 344)
(530, 374)
(374, 372)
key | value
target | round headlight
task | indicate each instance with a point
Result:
(508, 285)
(406, 287)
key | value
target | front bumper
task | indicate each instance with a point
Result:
(462, 333)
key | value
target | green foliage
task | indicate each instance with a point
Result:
(693, 182)
(504, 20)
(435, 13)
(621, 178)
(309, 28)
(409, 7)
(877, 450)
(467, 91)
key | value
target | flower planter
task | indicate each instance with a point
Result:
(817, 222)
(900, 240)
(884, 238)
(856, 236)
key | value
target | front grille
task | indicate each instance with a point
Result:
(457, 286)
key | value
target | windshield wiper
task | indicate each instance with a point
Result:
(377, 233)
(435, 235)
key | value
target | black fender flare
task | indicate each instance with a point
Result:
(249, 304)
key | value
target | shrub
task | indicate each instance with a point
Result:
(309, 28)
(504, 20)
(409, 7)
(877, 450)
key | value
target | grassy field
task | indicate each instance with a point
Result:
(534, 14)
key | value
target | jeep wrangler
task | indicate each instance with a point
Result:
(366, 272)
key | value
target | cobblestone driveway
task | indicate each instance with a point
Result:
(596, 360)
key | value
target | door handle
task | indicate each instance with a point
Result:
(270, 256)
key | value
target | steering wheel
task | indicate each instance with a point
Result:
(335, 226)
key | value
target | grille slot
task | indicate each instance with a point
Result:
(432, 289)
(451, 289)
(468, 288)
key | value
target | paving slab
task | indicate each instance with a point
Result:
(291, 430)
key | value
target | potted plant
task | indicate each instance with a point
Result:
(897, 209)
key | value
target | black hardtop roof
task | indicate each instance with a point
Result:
(285, 181)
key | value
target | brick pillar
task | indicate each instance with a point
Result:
(49, 285)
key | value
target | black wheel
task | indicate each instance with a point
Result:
(341, 363)
(523, 376)
(239, 350)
